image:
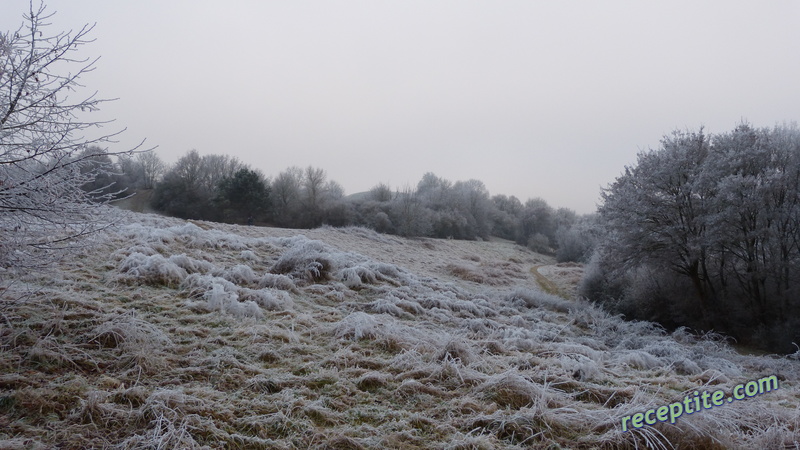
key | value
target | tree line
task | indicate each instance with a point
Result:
(705, 232)
(224, 189)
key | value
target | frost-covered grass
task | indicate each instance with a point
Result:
(171, 334)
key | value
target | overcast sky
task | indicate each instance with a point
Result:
(536, 99)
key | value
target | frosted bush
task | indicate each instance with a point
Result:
(355, 277)
(413, 308)
(365, 233)
(481, 327)
(471, 308)
(194, 236)
(138, 341)
(187, 233)
(665, 348)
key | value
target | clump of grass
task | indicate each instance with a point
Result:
(512, 390)
(139, 343)
(308, 261)
(241, 275)
(457, 350)
(517, 428)
(53, 355)
(277, 281)
(222, 296)
(372, 381)
(154, 270)
(466, 273)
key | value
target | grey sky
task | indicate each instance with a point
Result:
(534, 98)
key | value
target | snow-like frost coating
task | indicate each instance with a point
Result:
(152, 269)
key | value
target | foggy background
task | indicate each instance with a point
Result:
(547, 99)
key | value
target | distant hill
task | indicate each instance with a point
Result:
(358, 196)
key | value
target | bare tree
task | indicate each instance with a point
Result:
(286, 196)
(314, 195)
(43, 159)
(152, 167)
(409, 214)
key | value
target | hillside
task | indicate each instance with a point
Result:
(174, 334)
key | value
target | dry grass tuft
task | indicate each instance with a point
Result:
(308, 262)
(512, 390)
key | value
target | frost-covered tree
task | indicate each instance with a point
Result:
(286, 196)
(381, 193)
(576, 241)
(434, 191)
(717, 215)
(409, 215)
(506, 213)
(659, 210)
(537, 225)
(47, 153)
(472, 201)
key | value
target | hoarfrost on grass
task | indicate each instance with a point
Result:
(154, 269)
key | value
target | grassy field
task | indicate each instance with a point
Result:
(173, 334)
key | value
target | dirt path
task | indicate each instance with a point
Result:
(545, 283)
(559, 279)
